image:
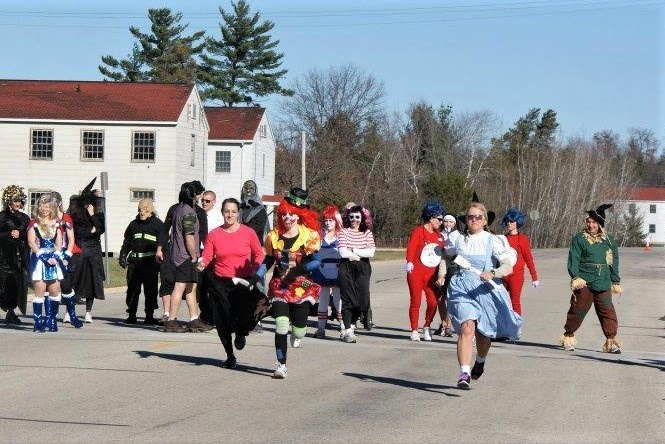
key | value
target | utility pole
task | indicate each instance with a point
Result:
(303, 173)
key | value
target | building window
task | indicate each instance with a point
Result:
(41, 146)
(263, 131)
(137, 194)
(652, 208)
(92, 145)
(652, 228)
(33, 197)
(192, 110)
(223, 162)
(143, 147)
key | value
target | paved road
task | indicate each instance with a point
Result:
(114, 383)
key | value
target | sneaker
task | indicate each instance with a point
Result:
(569, 347)
(448, 332)
(240, 341)
(11, 318)
(320, 333)
(415, 336)
(439, 330)
(66, 318)
(464, 381)
(477, 370)
(615, 350)
(426, 334)
(88, 318)
(174, 327)
(131, 319)
(197, 326)
(280, 373)
(295, 342)
(349, 337)
(231, 362)
(163, 319)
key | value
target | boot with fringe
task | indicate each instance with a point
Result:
(568, 342)
(612, 346)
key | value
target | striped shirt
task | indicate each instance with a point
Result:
(355, 239)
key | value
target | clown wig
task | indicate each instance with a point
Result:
(514, 215)
(307, 216)
(432, 209)
(332, 212)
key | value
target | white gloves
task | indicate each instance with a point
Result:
(409, 267)
(535, 284)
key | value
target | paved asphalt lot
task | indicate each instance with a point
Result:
(114, 383)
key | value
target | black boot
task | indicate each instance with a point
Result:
(150, 319)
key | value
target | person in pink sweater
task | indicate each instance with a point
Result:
(235, 252)
(512, 222)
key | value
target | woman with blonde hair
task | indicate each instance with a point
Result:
(478, 304)
(45, 241)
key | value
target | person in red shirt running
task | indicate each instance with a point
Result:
(513, 222)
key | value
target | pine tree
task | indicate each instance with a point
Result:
(165, 55)
(243, 64)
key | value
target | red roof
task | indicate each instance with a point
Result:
(650, 194)
(82, 100)
(233, 123)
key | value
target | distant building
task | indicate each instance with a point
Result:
(148, 137)
(650, 204)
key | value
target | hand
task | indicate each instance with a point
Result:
(51, 261)
(354, 257)
(409, 267)
(122, 261)
(440, 281)
(486, 276)
(200, 267)
(159, 256)
(90, 209)
(535, 284)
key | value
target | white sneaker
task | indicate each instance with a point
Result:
(66, 318)
(88, 318)
(280, 373)
(426, 334)
(415, 336)
(295, 342)
(349, 337)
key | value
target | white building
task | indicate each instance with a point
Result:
(148, 137)
(650, 204)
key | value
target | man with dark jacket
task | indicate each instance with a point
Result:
(137, 255)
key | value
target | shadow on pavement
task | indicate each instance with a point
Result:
(434, 388)
(198, 360)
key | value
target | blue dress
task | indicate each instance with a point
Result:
(470, 298)
(39, 269)
(326, 274)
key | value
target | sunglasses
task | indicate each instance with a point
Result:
(475, 217)
(206, 200)
(440, 219)
(354, 217)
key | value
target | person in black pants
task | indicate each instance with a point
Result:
(137, 255)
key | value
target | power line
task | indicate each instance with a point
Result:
(515, 9)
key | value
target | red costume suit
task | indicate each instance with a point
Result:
(422, 278)
(514, 281)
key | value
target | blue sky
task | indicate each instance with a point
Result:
(599, 64)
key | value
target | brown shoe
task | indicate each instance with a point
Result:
(197, 326)
(174, 327)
